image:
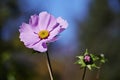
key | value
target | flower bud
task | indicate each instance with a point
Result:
(88, 60)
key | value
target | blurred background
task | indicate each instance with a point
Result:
(93, 24)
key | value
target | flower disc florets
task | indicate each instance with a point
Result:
(43, 34)
(88, 59)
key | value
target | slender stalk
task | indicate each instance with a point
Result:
(49, 66)
(83, 77)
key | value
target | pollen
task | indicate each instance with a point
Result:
(43, 34)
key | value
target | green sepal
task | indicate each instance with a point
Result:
(80, 61)
(102, 58)
(89, 67)
(94, 57)
(86, 52)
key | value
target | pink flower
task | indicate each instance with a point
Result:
(42, 29)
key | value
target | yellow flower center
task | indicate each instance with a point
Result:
(43, 34)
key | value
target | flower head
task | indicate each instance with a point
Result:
(89, 60)
(40, 30)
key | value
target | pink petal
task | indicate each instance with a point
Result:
(25, 28)
(29, 39)
(27, 35)
(54, 33)
(44, 19)
(53, 39)
(40, 46)
(62, 23)
(52, 24)
(34, 20)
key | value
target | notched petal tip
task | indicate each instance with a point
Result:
(25, 28)
(43, 13)
(20, 30)
(34, 20)
(62, 22)
(22, 27)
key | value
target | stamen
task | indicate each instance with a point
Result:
(43, 34)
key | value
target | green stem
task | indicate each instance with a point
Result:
(49, 66)
(83, 77)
